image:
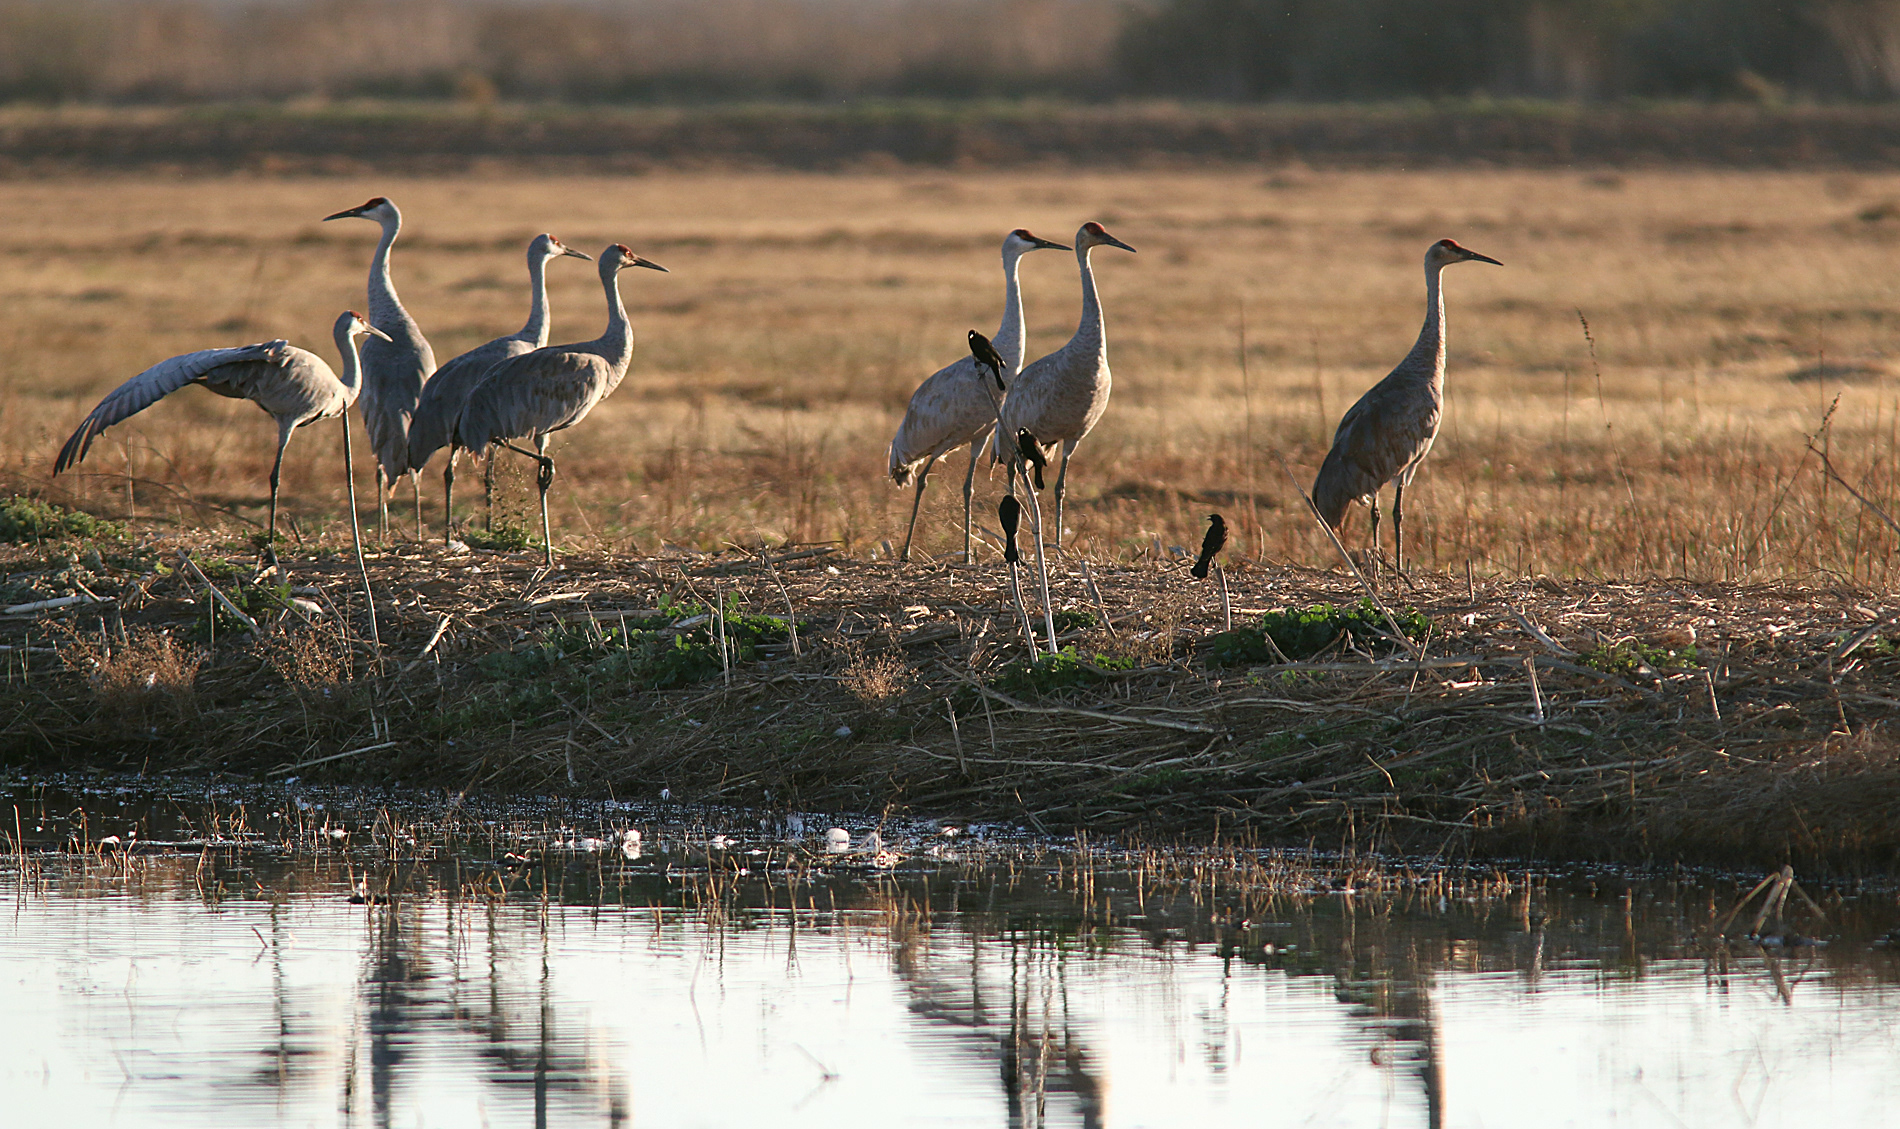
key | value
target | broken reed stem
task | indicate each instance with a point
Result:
(1226, 601)
(218, 597)
(1022, 611)
(1537, 693)
(719, 621)
(1042, 565)
(791, 617)
(956, 735)
(1609, 429)
(1095, 593)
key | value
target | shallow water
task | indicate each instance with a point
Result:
(240, 963)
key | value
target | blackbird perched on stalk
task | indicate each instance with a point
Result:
(1032, 453)
(1214, 542)
(986, 357)
(1010, 512)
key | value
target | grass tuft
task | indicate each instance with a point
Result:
(504, 537)
(24, 520)
(1304, 634)
(1064, 670)
(1627, 657)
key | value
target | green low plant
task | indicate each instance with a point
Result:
(24, 519)
(1065, 669)
(644, 651)
(505, 536)
(1300, 634)
(1628, 657)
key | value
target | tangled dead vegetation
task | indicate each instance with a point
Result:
(1659, 719)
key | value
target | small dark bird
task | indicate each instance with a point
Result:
(1010, 511)
(1214, 542)
(1032, 453)
(987, 357)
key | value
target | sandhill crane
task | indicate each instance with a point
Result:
(394, 368)
(551, 389)
(1059, 398)
(446, 391)
(1387, 434)
(294, 386)
(954, 406)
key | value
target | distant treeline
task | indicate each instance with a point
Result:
(580, 50)
(1350, 49)
(685, 50)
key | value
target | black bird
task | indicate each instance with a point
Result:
(1010, 511)
(986, 357)
(1032, 453)
(1214, 542)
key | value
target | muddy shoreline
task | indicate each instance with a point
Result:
(1762, 741)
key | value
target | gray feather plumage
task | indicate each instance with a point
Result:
(956, 404)
(534, 394)
(554, 388)
(1385, 436)
(289, 383)
(446, 395)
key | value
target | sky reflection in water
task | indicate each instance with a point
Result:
(142, 996)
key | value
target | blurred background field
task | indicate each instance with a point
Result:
(1729, 309)
(645, 50)
(1712, 183)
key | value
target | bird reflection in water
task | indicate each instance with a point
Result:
(1048, 1072)
(419, 986)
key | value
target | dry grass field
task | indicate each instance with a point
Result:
(774, 362)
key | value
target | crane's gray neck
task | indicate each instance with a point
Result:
(1091, 331)
(382, 289)
(1009, 335)
(352, 361)
(1427, 358)
(616, 345)
(536, 331)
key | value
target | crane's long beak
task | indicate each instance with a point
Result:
(1114, 242)
(566, 250)
(1483, 258)
(374, 332)
(1050, 245)
(637, 261)
(344, 214)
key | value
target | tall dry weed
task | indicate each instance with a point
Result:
(312, 660)
(147, 676)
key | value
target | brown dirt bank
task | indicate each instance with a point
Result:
(1765, 739)
(353, 139)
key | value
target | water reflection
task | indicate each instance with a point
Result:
(239, 984)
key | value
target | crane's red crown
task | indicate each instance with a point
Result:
(1094, 228)
(624, 249)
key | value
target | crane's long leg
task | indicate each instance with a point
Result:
(382, 503)
(284, 428)
(448, 498)
(415, 483)
(1398, 527)
(1062, 476)
(923, 476)
(488, 495)
(969, 487)
(545, 480)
